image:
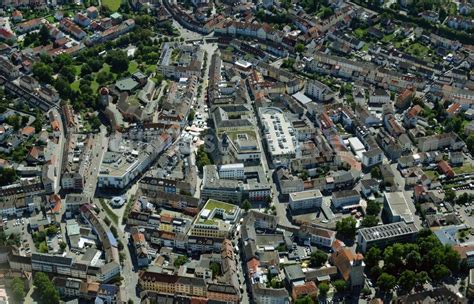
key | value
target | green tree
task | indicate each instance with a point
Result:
(62, 246)
(43, 248)
(323, 289)
(181, 260)
(191, 115)
(376, 173)
(373, 208)
(7, 176)
(43, 35)
(215, 268)
(339, 285)
(421, 278)
(386, 282)
(43, 72)
(18, 290)
(47, 291)
(305, 300)
(439, 272)
(470, 143)
(413, 260)
(118, 61)
(318, 258)
(246, 205)
(346, 227)
(299, 48)
(407, 280)
(373, 256)
(370, 221)
(52, 230)
(449, 195)
(202, 158)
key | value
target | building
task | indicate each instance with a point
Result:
(253, 185)
(279, 135)
(215, 221)
(396, 208)
(172, 284)
(309, 199)
(319, 91)
(232, 171)
(51, 264)
(385, 235)
(312, 235)
(350, 267)
(264, 295)
(345, 198)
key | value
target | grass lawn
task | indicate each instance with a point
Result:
(112, 5)
(360, 33)
(213, 204)
(111, 214)
(464, 169)
(132, 67)
(75, 85)
(433, 175)
(418, 50)
(77, 69)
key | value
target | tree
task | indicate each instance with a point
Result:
(470, 143)
(339, 285)
(413, 260)
(43, 248)
(370, 221)
(43, 72)
(439, 272)
(386, 282)
(118, 61)
(246, 205)
(202, 158)
(52, 230)
(318, 258)
(181, 260)
(62, 246)
(373, 256)
(451, 259)
(191, 115)
(18, 290)
(449, 195)
(421, 278)
(373, 208)
(43, 35)
(376, 173)
(323, 289)
(347, 227)
(47, 291)
(407, 280)
(7, 176)
(305, 300)
(299, 48)
(95, 122)
(215, 268)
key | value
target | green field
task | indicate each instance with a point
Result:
(112, 5)
(213, 204)
(464, 169)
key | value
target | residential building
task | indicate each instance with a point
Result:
(344, 198)
(309, 199)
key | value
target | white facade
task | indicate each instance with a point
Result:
(309, 199)
(319, 90)
(232, 171)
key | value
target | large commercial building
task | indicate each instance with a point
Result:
(279, 135)
(385, 235)
(216, 220)
(396, 207)
(126, 160)
(253, 185)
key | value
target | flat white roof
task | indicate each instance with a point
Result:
(232, 166)
(302, 98)
(356, 144)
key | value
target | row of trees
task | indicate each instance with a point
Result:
(48, 294)
(413, 264)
